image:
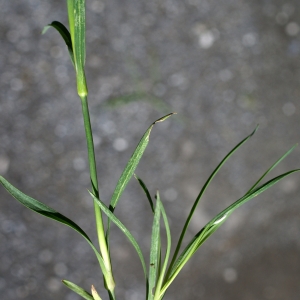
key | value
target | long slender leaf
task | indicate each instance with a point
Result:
(145, 189)
(78, 290)
(70, 4)
(155, 249)
(79, 46)
(79, 32)
(114, 219)
(48, 212)
(271, 168)
(214, 224)
(130, 168)
(168, 250)
(178, 246)
(65, 34)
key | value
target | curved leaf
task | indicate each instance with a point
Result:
(214, 224)
(114, 219)
(48, 212)
(145, 189)
(187, 222)
(65, 34)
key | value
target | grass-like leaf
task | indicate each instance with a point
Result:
(48, 212)
(271, 168)
(114, 219)
(78, 290)
(179, 243)
(79, 46)
(145, 189)
(71, 16)
(130, 168)
(157, 295)
(214, 224)
(154, 250)
(65, 34)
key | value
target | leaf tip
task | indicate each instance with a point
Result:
(164, 117)
(95, 293)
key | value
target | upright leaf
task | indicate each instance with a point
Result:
(157, 295)
(187, 222)
(114, 219)
(271, 168)
(131, 166)
(154, 250)
(79, 46)
(213, 225)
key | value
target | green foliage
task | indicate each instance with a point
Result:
(160, 273)
(78, 290)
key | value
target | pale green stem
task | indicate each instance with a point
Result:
(98, 214)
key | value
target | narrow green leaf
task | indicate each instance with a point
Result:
(168, 250)
(114, 219)
(178, 246)
(261, 189)
(79, 46)
(271, 168)
(79, 32)
(65, 34)
(47, 211)
(70, 4)
(154, 250)
(214, 224)
(132, 164)
(95, 294)
(142, 184)
(78, 290)
(130, 167)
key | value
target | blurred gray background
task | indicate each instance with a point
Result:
(224, 67)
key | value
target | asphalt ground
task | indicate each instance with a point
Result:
(224, 67)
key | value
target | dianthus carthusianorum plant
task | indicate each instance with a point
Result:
(162, 268)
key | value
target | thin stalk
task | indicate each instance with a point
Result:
(94, 180)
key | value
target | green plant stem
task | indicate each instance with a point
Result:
(109, 281)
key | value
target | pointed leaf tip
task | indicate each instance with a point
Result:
(164, 117)
(95, 293)
(78, 290)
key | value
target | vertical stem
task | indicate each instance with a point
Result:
(94, 180)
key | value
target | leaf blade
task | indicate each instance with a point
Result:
(79, 46)
(167, 255)
(214, 224)
(184, 229)
(65, 34)
(146, 191)
(132, 163)
(130, 168)
(154, 250)
(78, 290)
(48, 212)
(271, 168)
(128, 234)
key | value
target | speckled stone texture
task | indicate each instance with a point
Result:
(223, 66)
